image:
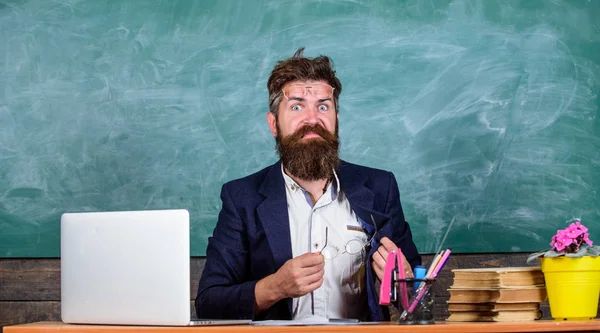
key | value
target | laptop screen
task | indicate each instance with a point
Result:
(130, 267)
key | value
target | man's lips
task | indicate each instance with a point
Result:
(311, 135)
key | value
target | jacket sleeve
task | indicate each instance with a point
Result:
(400, 230)
(223, 292)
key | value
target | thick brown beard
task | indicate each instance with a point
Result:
(312, 159)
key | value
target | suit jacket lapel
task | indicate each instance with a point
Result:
(273, 214)
(361, 197)
(353, 184)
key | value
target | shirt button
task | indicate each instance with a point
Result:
(316, 245)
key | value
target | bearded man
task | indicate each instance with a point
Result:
(309, 235)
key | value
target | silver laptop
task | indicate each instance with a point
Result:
(127, 268)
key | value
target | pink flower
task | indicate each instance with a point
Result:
(574, 231)
(581, 226)
(564, 237)
(586, 238)
(571, 238)
(559, 246)
(553, 241)
(562, 240)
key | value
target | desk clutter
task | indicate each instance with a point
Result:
(412, 296)
(496, 294)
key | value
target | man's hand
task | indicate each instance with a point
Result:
(297, 277)
(379, 258)
(301, 275)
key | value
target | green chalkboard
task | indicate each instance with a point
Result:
(487, 112)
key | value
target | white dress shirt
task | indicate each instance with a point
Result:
(343, 292)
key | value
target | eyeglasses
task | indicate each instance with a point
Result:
(353, 246)
(319, 90)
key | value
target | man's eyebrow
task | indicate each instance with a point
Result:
(324, 99)
(299, 99)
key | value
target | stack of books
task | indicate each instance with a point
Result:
(496, 294)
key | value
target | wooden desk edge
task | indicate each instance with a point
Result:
(446, 327)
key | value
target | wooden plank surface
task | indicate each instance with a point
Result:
(536, 326)
(12, 313)
(30, 279)
(39, 279)
(27, 312)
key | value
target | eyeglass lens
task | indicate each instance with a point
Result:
(354, 246)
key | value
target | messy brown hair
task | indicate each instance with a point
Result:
(300, 68)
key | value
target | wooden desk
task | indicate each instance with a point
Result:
(535, 326)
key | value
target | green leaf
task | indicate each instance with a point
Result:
(553, 254)
(534, 256)
(582, 252)
(593, 251)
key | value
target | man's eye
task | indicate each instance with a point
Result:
(296, 107)
(323, 108)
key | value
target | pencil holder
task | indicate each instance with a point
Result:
(415, 301)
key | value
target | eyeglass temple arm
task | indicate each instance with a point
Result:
(374, 226)
(324, 246)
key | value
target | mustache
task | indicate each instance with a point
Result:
(312, 128)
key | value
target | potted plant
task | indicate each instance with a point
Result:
(571, 270)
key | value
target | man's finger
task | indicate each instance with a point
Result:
(388, 244)
(378, 270)
(383, 252)
(315, 285)
(311, 259)
(310, 270)
(378, 260)
(310, 279)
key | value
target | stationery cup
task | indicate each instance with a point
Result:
(419, 310)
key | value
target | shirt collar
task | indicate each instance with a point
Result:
(291, 184)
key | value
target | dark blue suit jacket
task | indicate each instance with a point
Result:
(252, 238)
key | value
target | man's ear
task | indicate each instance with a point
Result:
(272, 123)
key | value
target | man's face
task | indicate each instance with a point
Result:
(306, 130)
(304, 103)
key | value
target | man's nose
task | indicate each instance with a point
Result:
(312, 115)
